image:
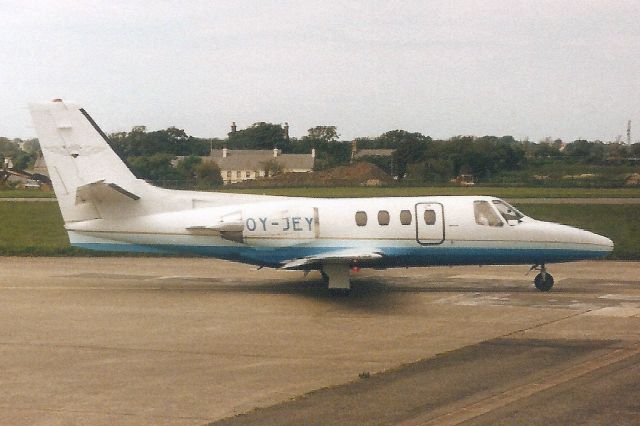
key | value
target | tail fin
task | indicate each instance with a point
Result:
(79, 159)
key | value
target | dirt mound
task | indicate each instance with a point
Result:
(633, 180)
(358, 174)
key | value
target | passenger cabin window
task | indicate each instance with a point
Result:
(430, 217)
(361, 218)
(507, 211)
(405, 217)
(383, 217)
(485, 214)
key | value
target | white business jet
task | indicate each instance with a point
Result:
(105, 207)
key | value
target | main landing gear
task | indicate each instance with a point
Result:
(543, 281)
(337, 277)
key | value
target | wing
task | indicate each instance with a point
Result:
(229, 227)
(226, 226)
(345, 256)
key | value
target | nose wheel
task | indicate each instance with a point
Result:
(543, 281)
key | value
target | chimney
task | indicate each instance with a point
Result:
(286, 131)
(313, 153)
(276, 151)
(233, 127)
(225, 152)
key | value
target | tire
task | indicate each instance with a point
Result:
(543, 284)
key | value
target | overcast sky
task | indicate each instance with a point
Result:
(565, 69)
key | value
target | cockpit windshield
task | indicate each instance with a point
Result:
(507, 211)
(485, 214)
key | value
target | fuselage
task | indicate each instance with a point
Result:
(106, 207)
(411, 231)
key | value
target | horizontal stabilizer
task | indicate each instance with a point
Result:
(103, 191)
(346, 256)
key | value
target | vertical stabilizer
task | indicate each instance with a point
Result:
(77, 154)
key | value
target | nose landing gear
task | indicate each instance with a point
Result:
(543, 281)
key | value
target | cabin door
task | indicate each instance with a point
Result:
(429, 223)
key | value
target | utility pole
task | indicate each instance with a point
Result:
(629, 132)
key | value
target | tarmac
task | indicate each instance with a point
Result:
(196, 341)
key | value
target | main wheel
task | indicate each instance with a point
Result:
(543, 282)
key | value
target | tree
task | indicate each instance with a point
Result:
(31, 146)
(410, 148)
(332, 155)
(323, 133)
(208, 175)
(23, 160)
(585, 151)
(10, 149)
(259, 136)
(170, 141)
(155, 168)
(187, 167)
(544, 150)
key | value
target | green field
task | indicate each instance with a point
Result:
(405, 191)
(620, 222)
(25, 193)
(32, 228)
(36, 229)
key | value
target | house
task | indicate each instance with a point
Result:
(237, 165)
(357, 153)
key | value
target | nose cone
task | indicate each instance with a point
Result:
(577, 244)
(600, 241)
(598, 245)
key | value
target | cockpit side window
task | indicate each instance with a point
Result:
(485, 214)
(507, 211)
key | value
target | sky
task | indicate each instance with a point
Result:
(534, 69)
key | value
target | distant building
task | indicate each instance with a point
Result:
(357, 154)
(237, 165)
(22, 179)
(40, 167)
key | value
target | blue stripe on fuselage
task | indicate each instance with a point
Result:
(393, 256)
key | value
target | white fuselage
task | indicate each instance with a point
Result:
(279, 229)
(105, 207)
